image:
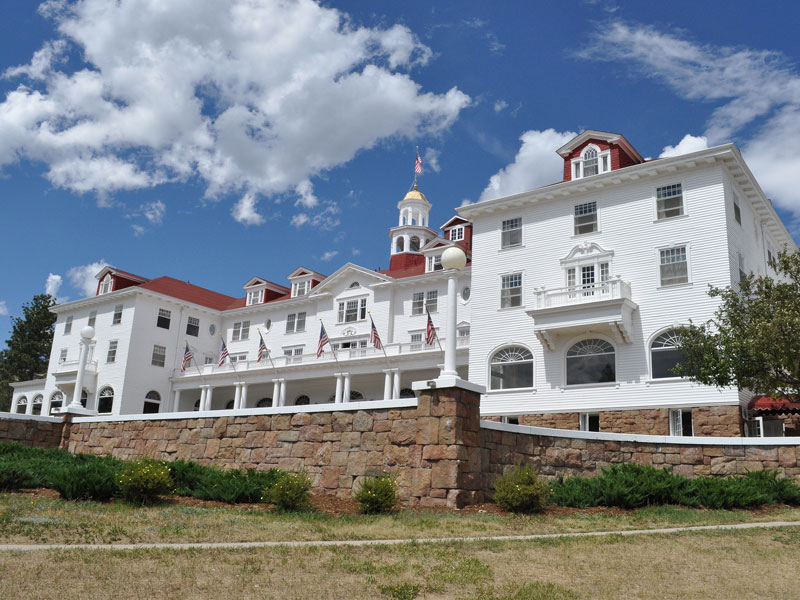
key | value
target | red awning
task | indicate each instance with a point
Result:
(766, 405)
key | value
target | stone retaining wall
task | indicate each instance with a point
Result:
(42, 432)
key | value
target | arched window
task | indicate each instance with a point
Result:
(84, 397)
(512, 367)
(355, 285)
(105, 402)
(354, 395)
(591, 361)
(264, 403)
(665, 353)
(413, 244)
(56, 401)
(38, 399)
(401, 244)
(22, 405)
(302, 400)
(152, 402)
(590, 162)
(407, 393)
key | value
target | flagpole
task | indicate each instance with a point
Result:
(338, 366)
(196, 366)
(435, 334)
(233, 364)
(269, 355)
(372, 323)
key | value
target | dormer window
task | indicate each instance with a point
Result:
(434, 263)
(456, 234)
(106, 284)
(255, 297)
(592, 161)
(301, 288)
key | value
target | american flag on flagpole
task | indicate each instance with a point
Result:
(187, 358)
(262, 348)
(323, 339)
(430, 332)
(374, 338)
(223, 354)
(418, 165)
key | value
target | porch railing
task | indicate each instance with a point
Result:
(582, 294)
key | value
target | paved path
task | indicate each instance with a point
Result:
(302, 544)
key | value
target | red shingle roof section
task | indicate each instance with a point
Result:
(190, 293)
(775, 406)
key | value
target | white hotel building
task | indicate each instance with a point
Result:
(564, 312)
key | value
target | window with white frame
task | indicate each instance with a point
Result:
(772, 257)
(352, 310)
(457, 234)
(208, 360)
(589, 276)
(22, 405)
(295, 322)
(62, 355)
(511, 233)
(106, 284)
(117, 318)
(591, 361)
(669, 201)
(592, 161)
(674, 267)
(37, 401)
(585, 218)
(241, 331)
(293, 355)
(511, 290)
(238, 357)
(680, 422)
(418, 303)
(462, 336)
(255, 297)
(434, 263)
(56, 401)
(737, 210)
(111, 355)
(152, 402)
(301, 288)
(159, 358)
(416, 342)
(665, 354)
(589, 422)
(68, 326)
(105, 400)
(511, 368)
(163, 318)
(193, 326)
(432, 301)
(92, 318)
(742, 267)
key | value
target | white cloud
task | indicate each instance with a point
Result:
(154, 211)
(305, 192)
(500, 105)
(536, 164)
(324, 219)
(755, 94)
(244, 211)
(262, 96)
(3, 309)
(688, 144)
(432, 159)
(330, 254)
(82, 278)
(356, 251)
(53, 284)
(138, 230)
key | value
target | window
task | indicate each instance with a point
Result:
(680, 422)
(255, 297)
(56, 401)
(62, 356)
(591, 361)
(152, 403)
(159, 357)
(456, 234)
(237, 358)
(742, 268)
(352, 310)
(511, 233)
(669, 201)
(674, 267)
(300, 288)
(585, 218)
(587, 278)
(462, 336)
(208, 360)
(432, 301)
(296, 322)
(241, 331)
(302, 400)
(591, 162)
(418, 303)
(264, 403)
(111, 356)
(37, 401)
(117, 319)
(354, 285)
(737, 211)
(511, 290)
(105, 401)
(193, 326)
(106, 284)
(589, 422)
(293, 355)
(92, 318)
(665, 353)
(407, 393)
(414, 244)
(416, 342)
(465, 292)
(163, 318)
(434, 263)
(512, 368)
(68, 326)
(22, 405)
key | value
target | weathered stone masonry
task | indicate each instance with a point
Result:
(45, 433)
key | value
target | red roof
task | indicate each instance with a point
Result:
(127, 275)
(189, 293)
(775, 406)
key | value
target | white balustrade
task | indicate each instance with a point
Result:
(582, 294)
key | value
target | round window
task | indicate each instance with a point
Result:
(212, 329)
(465, 294)
(268, 324)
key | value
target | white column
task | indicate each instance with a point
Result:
(450, 335)
(283, 392)
(202, 404)
(237, 395)
(243, 398)
(87, 333)
(396, 384)
(29, 406)
(346, 390)
(276, 392)
(176, 403)
(387, 384)
(339, 385)
(14, 402)
(209, 396)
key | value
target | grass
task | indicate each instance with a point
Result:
(29, 519)
(708, 565)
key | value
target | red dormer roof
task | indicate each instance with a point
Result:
(190, 293)
(622, 153)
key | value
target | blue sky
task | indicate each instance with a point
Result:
(216, 143)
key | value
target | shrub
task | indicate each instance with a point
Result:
(14, 476)
(290, 492)
(232, 486)
(377, 494)
(86, 480)
(142, 481)
(521, 490)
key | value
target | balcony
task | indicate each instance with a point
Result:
(67, 372)
(603, 307)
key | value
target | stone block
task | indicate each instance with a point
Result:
(212, 448)
(692, 455)
(761, 453)
(733, 450)
(642, 458)
(339, 459)
(573, 458)
(302, 450)
(428, 502)
(321, 419)
(329, 477)
(404, 431)
(342, 421)
(448, 430)
(787, 456)
(381, 426)
(254, 439)
(745, 466)
(420, 482)
(427, 430)
(356, 464)
(311, 433)
(220, 427)
(369, 442)
(362, 421)
(436, 452)
(290, 464)
(281, 422)
(300, 419)
(287, 436)
(350, 439)
(444, 474)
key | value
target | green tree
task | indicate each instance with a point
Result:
(753, 340)
(28, 349)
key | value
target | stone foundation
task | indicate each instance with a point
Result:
(45, 433)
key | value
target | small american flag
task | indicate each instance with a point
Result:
(223, 354)
(430, 332)
(262, 348)
(323, 339)
(187, 358)
(374, 338)
(418, 165)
